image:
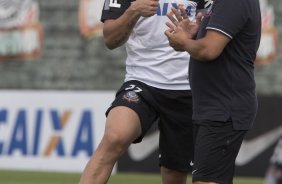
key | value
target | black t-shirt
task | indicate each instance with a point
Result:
(224, 88)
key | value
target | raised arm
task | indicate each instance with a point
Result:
(117, 31)
(182, 31)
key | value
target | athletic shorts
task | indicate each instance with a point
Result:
(172, 110)
(216, 147)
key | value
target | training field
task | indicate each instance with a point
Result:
(20, 177)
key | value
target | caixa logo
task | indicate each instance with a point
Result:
(21, 34)
(190, 7)
(44, 133)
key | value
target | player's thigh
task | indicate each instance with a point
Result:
(123, 124)
(137, 97)
(131, 114)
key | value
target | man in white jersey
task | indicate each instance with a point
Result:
(156, 89)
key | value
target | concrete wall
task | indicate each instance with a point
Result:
(69, 61)
(269, 77)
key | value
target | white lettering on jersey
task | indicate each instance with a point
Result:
(208, 3)
(114, 4)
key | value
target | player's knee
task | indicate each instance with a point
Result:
(115, 142)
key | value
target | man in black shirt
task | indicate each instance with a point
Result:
(221, 75)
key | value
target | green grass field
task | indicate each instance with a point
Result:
(21, 177)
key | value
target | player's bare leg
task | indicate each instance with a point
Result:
(122, 127)
(170, 176)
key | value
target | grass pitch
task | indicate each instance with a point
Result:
(24, 177)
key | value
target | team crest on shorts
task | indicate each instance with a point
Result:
(131, 96)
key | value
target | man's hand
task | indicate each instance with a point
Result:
(176, 38)
(181, 28)
(145, 8)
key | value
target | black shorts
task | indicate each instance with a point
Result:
(216, 147)
(172, 110)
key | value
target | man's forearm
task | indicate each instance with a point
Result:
(197, 49)
(116, 32)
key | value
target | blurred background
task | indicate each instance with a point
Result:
(58, 78)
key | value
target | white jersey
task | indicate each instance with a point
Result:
(150, 59)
